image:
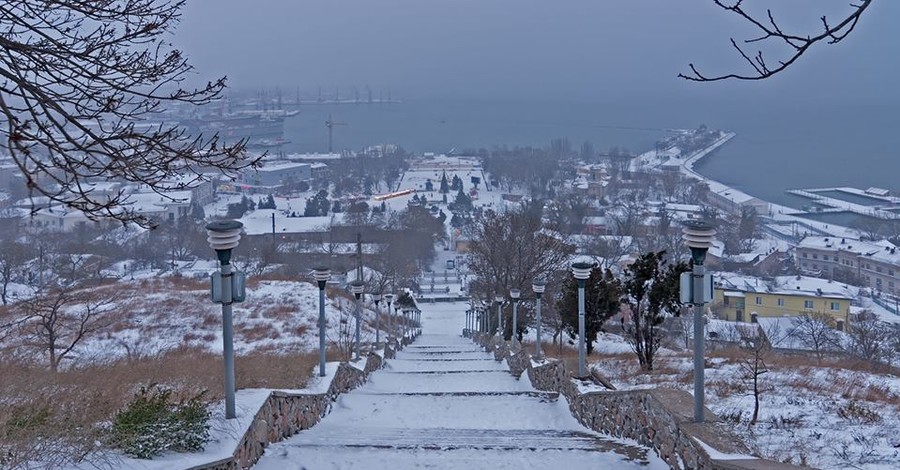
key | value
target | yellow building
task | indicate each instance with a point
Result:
(749, 302)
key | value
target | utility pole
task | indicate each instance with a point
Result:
(330, 125)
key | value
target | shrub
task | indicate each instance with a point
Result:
(858, 413)
(153, 423)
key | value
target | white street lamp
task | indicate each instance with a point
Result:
(224, 236)
(377, 299)
(357, 287)
(698, 236)
(499, 299)
(514, 295)
(321, 275)
(582, 272)
(389, 298)
(538, 287)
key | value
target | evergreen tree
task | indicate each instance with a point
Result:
(456, 183)
(463, 202)
(336, 206)
(197, 212)
(651, 290)
(601, 301)
(445, 188)
(317, 205)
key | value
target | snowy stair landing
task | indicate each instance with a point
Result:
(442, 403)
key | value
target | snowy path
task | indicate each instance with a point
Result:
(444, 404)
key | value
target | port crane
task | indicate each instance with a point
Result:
(330, 125)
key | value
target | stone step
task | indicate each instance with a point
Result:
(544, 396)
(439, 372)
(447, 359)
(479, 439)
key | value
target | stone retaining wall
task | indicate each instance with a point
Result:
(661, 419)
(285, 414)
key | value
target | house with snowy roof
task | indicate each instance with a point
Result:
(869, 264)
(747, 299)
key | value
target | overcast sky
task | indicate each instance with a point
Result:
(590, 50)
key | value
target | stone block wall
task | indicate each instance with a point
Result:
(661, 419)
(284, 414)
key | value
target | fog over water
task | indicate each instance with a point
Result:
(475, 73)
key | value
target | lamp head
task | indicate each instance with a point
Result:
(389, 298)
(698, 236)
(582, 270)
(538, 286)
(357, 287)
(515, 293)
(376, 298)
(223, 236)
(499, 298)
(321, 274)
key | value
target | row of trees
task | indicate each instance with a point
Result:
(512, 249)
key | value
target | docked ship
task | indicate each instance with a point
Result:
(260, 129)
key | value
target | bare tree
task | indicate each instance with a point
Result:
(868, 337)
(814, 331)
(77, 79)
(607, 250)
(13, 257)
(59, 319)
(771, 32)
(510, 250)
(755, 350)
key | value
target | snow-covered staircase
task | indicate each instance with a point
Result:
(442, 403)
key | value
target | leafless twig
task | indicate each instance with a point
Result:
(771, 31)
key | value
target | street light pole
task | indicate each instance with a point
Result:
(397, 328)
(538, 287)
(224, 236)
(698, 236)
(322, 275)
(514, 295)
(377, 299)
(356, 287)
(499, 299)
(389, 298)
(582, 272)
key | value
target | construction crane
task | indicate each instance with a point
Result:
(330, 125)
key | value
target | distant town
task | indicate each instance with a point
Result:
(400, 221)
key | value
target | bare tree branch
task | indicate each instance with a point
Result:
(80, 83)
(770, 31)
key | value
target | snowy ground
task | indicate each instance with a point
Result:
(442, 403)
(826, 417)
(152, 316)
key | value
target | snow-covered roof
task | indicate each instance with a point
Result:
(785, 285)
(280, 166)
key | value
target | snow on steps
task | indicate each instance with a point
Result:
(659, 418)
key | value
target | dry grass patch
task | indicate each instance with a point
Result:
(58, 417)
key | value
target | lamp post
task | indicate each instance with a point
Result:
(582, 272)
(514, 295)
(224, 236)
(698, 236)
(398, 328)
(322, 275)
(388, 298)
(377, 299)
(405, 324)
(499, 299)
(356, 287)
(538, 287)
